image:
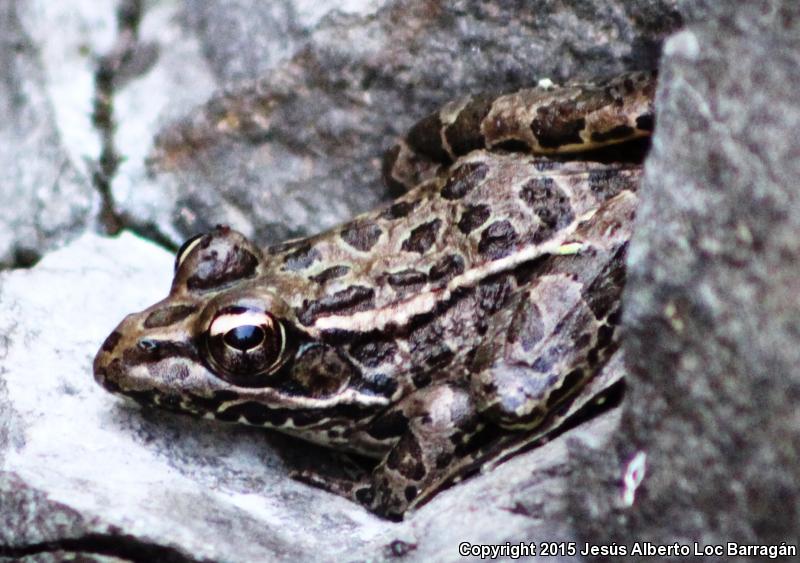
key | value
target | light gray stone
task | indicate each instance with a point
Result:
(178, 79)
(45, 104)
(712, 310)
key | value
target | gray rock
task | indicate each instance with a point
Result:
(713, 317)
(299, 148)
(44, 182)
(177, 79)
(270, 31)
(82, 472)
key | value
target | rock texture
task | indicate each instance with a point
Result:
(713, 307)
(294, 144)
(44, 186)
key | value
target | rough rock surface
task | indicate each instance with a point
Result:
(297, 146)
(713, 316)
(44, 183)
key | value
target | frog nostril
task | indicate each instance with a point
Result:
(147, 345)
(110, 343)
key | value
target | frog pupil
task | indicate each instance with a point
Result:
(244, 337)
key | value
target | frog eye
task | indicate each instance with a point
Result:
(245, 344)
(185, 249)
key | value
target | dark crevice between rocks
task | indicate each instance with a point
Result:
(112, 69)
(148, 230)
(125, 547)
(25, 257)
(129, 14)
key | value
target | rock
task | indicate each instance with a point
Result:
(44, 182)
(298, 147)
(176, 79)
(712, 311)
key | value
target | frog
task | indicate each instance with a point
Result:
(435, 334)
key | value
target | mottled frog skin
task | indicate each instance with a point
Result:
(467, 312)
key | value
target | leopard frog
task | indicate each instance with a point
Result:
(466, 312)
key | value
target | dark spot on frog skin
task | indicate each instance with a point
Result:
(301, 258)
(320, 372)
(215, 269)
(361, 235)
(254, 413)
(168, 315)
(554, 126)
(628, 86)
(646, 122)
(425, 138)
(390, 425)
(421, 379)
(373, 353)
(464, 134)
(427, 346)
(570, 384)
(330, 274)
(447, 268)
(443, 460)
(605, 334)
(608, 183)
(354, 298)
(464, 179)
(378, 384)
(410, 492)
(365, 496)
(151, 351)
(407, 278)
(497, 240)
(399, 210)
(493, 294)
(549, 203)
(441, 357)
(473, 217)
(512, 145)
(422, 237)
(111, 341)
(616, 133)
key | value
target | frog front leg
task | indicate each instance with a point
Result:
(436, 424)
(541, 352)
